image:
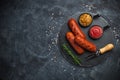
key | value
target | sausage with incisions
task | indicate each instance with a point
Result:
(70, 37)
(85, 44)
(75, 28)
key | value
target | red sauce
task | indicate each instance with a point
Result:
(95, 32)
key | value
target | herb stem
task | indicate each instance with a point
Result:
(75, 58)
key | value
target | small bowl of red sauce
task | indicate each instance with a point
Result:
(95, 32)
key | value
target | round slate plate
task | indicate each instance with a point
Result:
(107, 37)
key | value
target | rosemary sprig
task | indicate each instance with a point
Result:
(74, 57)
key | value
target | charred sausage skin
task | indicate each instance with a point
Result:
(75, 28)
(70, 37)
(85, 44)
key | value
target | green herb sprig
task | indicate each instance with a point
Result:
(74, 57)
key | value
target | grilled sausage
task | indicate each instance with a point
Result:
(70, 37)
(75, 28)
(85, 44)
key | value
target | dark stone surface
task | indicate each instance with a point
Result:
(28, 40)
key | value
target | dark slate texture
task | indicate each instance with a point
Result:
(29, 36)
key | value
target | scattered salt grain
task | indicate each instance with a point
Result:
(52, 14)
(74, 69)
(64, 70)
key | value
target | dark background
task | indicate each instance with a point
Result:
(29, 35)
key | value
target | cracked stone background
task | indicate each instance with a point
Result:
(29, 35)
